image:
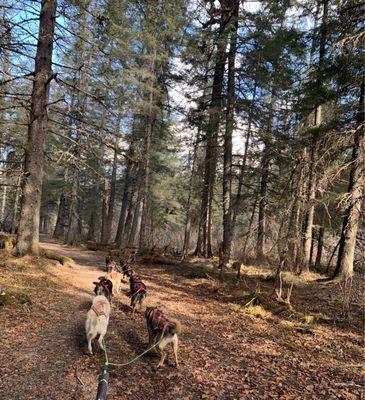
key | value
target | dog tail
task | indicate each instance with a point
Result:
(175, 326)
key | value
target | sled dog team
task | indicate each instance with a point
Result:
(161, 330)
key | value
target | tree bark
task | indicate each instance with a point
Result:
(227, 152)
(293, 241)
(14, 221)
(245, 243)
(137, 209)
(311, 194)
(317, 263)
(261, 227)
(125, 201)
(237, 202)
(28, 232)
(113, 182)
(127, 189)
(73, 234)
(91, 233)
(145, 184)
(345, 261)
(204, 242)
(187, 228)
(3, 206)
(105, 211)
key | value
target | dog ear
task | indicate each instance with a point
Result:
(96, 283)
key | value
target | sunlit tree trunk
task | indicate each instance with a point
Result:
(204, 242)
(312, 179)
(351, 219)
(261, 227)
(28, 232)
(227, 148)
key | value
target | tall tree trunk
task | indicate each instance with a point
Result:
(3, 205)
(238, 199)
(91, 233)
(317, 263)
(311, 253)
(129, 218)
(28, 232)
(261, 227)
(145, 185)
(108, 201)
(311, 194)
(73, 234)
(204, 244)
(105, 211)
(137, 209)
(126, 198)
(3, 103)
(113, 183)
(293, 241)
(245, 243)
(351, 219)
(5, 36)
(74, 231)
(14, 220)
(61, 221)
(62, 214)
(227, 152)
(187, 228)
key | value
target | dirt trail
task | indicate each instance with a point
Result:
(89, 264)
(225, 352)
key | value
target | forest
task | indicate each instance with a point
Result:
(221, 142)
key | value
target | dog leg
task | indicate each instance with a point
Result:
(162, 359)
(141, 304)
(90, 337)
(163, 356)
(176, 345)
(100, 341)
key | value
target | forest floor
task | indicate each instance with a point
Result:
(229, 349)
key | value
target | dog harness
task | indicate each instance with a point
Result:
(113, 275)
(136, 286)
(127, 268)
(159, 321)
(106, 283)
(97, 308)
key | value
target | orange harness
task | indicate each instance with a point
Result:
(113, 275)
(97, 308)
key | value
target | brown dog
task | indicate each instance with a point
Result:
(163, 331)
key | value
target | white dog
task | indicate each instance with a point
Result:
(97, 320)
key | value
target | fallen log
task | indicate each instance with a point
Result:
(64, 260)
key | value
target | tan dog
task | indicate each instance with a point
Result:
(162, 331)
(116, 278)
(97, 320)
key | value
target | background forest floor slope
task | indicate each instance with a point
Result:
(228, 349)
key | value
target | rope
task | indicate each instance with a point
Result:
(107, 363)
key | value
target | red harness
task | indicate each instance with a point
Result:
(97, 308)
(159, 321)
